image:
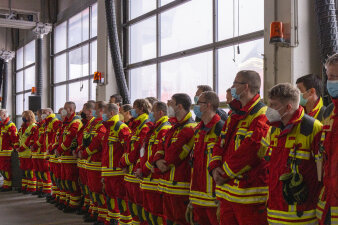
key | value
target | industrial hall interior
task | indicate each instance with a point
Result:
(168, 112)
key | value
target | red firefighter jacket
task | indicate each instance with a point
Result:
(202, 188)
(292, 149)
(115, 144)
(239, 153)
(150, 181)
(328, 199)
(67, 139)
(26, 139)
(175, 151)
(9, 139)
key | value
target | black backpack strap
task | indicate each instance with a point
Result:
(257, 107)
(117, 125)
(306, 126)
(219, 127)
(321, 113)
(328, 111)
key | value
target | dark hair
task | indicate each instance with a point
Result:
(183, 99)
(118, 98)
(72, 105)
(251, 78)
(161, 106)
(212, 98)
(311, 81)
(101, 104)
(127, 107)
(204, 88)
(89, 106)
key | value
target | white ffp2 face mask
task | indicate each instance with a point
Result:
(272, 115)
(171, 111)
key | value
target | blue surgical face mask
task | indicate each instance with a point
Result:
(234, 94)
(196, 99)
(332, 88)
(104, 117)
(58, 116)
(94, 113)
(133, 113)
(302, 101)
(151, 117)
(197, 111)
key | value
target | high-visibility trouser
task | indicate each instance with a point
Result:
(153, 207)
(135, 197)
(174, 208)
(36, 168)
(115, 194)
(45, 175)
(84, 189)
(53, 179)
(70, 191)
(28, 181)
(57, 175)
(97, 198)
(205, 215)
(5, 170)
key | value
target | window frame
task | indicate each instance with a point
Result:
(214, 46)
(89, 41)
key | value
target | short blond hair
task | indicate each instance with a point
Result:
(333, 59)
(286, 93)
(143, 104)
(29, 115)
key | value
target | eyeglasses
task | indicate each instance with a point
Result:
(235, 82)
(198, 102)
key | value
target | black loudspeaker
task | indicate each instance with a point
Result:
(34, 103)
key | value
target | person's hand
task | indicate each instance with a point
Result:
(74, 154)
(125, 170)
(57, 153)
(79, 154)
(138, 173)
(162, 165)
(217, 174)
(103, 186)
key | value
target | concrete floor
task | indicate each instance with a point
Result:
(19, 209)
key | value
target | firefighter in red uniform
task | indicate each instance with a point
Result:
(153, 203)
(81, 164)
(294, 141)
(327, 208)
(70, 195)
(140, 129)
(202, 190)
(236, 164)
(46, 141)
(92, 152)
(125, 112)
(311, 87)
(115, 144)
(9, 140)
(173, 160)
(35, 149)
(26, 140)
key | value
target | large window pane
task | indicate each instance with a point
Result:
(60, 93)
(78, 93)
(19, 58)
(19, 104)
(143, 40)
(93, 86)
(60, 68)
(60, 37)
(26, 100)
(139, 7)
(251, 17)
(93, 60)
(18, 122)
(184, 74)
(78, 62)
(19, 81)
(29, 53)
(78, 28)
(30, 78)
(186, 26)
(249, 59)
(143, 82)
(93, 31)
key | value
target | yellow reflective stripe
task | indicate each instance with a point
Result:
(90, 152)
(63, 147)
(172, 173)
(160, 152)
(241, 199)
(249, 134)
(114, 139)
(204, 195)
(148, 165)
(228, 171)
(291, 215)
(131, 178)
(241, 131)
(334, 211)
(216, 158)
(300, 154)
(264, 142)
(278, 222)
(243, 191)
(111, 155)
(202, 202)
(126, 158)
(185, 152)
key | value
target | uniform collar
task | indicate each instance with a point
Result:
(50, 116)
(295, 119)
(162, 120)
(244, 110)
(5, 121)
(208, 127)
(187, 117)
(318, 105)
(114, 118)
(70, 118)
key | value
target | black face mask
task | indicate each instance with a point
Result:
(24, 119)
(83, 115)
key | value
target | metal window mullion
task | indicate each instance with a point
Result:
(75, 47)
(126, 41)
(158, 52)
(215, 39)
(67, 62)
(90, 53)
(26, 67)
